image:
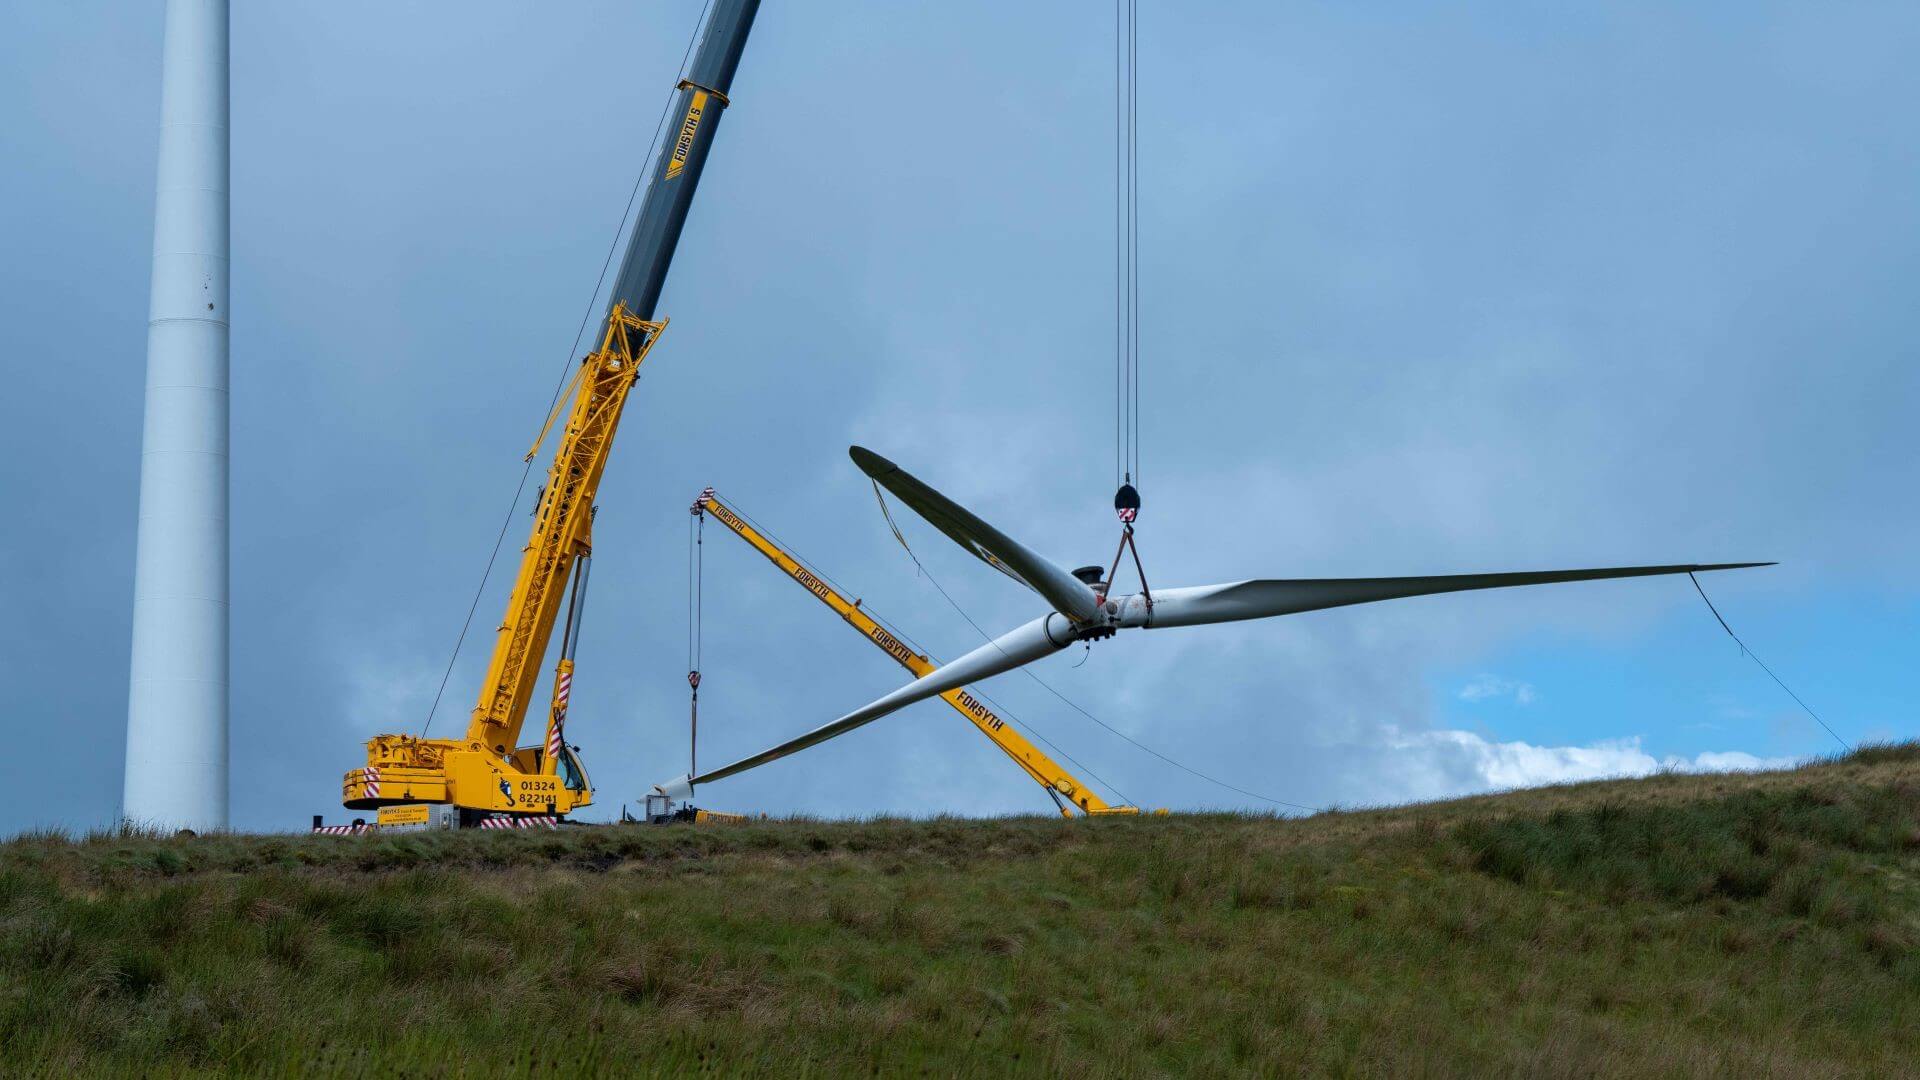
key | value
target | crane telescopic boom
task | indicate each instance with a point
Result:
(1067, 792)
(487, 774)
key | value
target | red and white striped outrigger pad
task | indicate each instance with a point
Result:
(343, 830)
(520, 821)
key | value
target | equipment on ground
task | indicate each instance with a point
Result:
(1068, 792)
(662, 811)
(1082, 610)
(487, 776)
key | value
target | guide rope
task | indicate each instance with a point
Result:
(1751, 655)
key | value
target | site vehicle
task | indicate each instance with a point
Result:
(487, 778)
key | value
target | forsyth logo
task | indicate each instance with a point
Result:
(980, 712)
(683, 145)
(813, 584)
(893, 646)
(732, 519)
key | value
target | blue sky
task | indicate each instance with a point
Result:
(1423, 290)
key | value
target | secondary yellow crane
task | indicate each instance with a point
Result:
(1068, 792)
(486, 778)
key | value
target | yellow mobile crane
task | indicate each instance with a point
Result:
(486, 778)
(1068, 793)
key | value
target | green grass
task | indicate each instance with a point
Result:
(1678, 925)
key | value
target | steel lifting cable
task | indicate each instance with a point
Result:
(1126, 246)
(696, 628)
(613, 245)
(1119, 247)
(1751, 655)
(1126, 242)
(1133, 233)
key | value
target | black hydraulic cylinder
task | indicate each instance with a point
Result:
(701, 99)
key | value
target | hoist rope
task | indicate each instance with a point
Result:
(1119, 249)
(520, 488)
(1028, 672)
(696, 632)
(696, 588)
(1126, 241)
(1751, 655)
(1133, 231)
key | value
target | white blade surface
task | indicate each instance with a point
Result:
(1068, 594)
(1204, 604)
(1006, 652)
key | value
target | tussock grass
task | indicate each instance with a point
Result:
(1758, 924)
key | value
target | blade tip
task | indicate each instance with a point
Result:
(870, 463)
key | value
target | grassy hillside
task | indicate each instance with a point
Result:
(1760, 924)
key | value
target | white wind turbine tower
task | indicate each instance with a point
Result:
(176, 775)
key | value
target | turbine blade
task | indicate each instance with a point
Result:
(1261, 599)
(1013, 649)
(1068, 594)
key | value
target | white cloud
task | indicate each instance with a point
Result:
(1734, 761)
(1462, 762)
(1484, 687)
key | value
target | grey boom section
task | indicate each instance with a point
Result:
(695, 117)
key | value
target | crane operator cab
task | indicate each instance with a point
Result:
(573, 775)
